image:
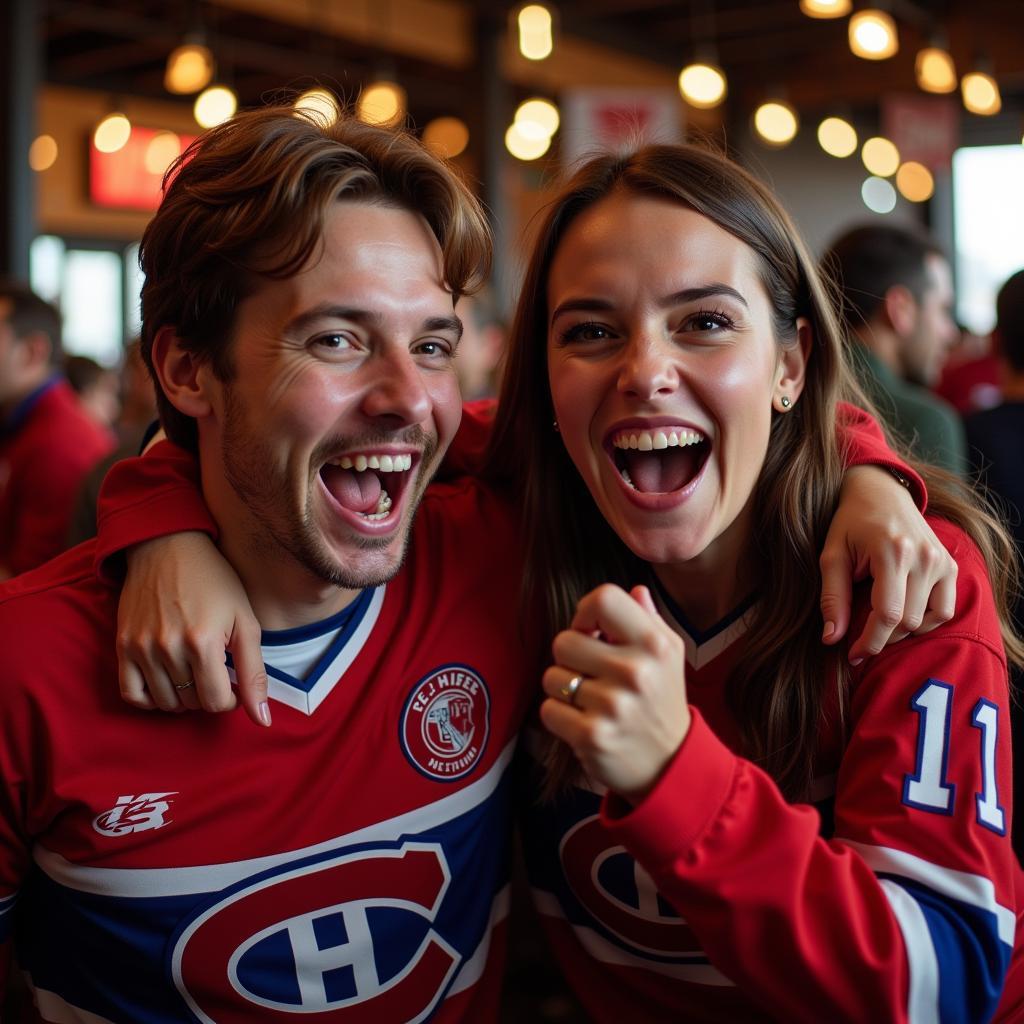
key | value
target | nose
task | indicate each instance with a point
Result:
(647, 369)
(395, 391)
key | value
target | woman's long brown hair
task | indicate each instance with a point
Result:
(776, 689)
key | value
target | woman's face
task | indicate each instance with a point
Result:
(663, 369)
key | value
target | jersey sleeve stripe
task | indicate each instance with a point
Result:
(922, 963)
(960, 886)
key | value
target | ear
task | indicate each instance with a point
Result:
(900, 308)
(792, 368)
(181, 375)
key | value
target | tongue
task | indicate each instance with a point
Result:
(662, 471)
(358, 492)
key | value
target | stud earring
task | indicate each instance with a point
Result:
(554, 427)
(785, 402)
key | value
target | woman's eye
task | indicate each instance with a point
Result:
(707, 322)
(586, 332)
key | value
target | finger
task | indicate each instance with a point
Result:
(613, 613)
(250, 672)
(133, 686)
(178, 671)
(213, 691)
(888, 593)
(588, 655)
(836, 592)
(642, 596)
(941, 604)
(161, 687)
(563, 721)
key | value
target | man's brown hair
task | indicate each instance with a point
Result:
(248, 200)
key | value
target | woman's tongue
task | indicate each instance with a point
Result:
(358, 492)
(660, 472)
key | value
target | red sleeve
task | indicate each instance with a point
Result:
(149, 496)
(466, 453)
(863, 443)
(909, 912)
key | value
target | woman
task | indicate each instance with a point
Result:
(691, 370)
(707, 499)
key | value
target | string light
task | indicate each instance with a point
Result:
(878, 195)
(537, 118)
(837, 137)
(382, 103)
(935, 70)
(872, 35)
(880, 156)
(702, 85)
(320, 103)
(163, 149)
(189, 68)
(535, 35)
(915, 182)
(981, 93)
(776, 122)
(522, 147)
(42, 154)
(112, 133)
(446, 136)
(215, 105)
(825, 8)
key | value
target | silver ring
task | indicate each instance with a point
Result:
(571, 688)
(185, 685)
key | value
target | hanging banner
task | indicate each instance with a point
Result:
(924, 128)
(599, 120)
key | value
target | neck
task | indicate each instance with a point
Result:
(884, 344)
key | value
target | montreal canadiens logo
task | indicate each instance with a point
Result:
(445, 722)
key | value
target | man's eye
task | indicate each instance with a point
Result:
(332, 341)
(433, 348)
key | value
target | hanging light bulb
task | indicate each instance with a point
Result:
(112, 133)
(878, 194)
(837, 137)
(702, 85)
(522, 147)
(535, 35)
(872, 35)
(915, 182)
(825, 8)
(880, 156)
(189, 68)
(446, 136)
(935, 70)
(215, 105)
(382, 103)
(537, 118)
(980, 93)
(776, 122)
(320, 103)
(42, 154)
(163, 149)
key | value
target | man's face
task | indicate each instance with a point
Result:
(10, 386)
(934, 332)
(342, 402)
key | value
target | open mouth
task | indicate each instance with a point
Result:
(368, 484)
(659, 461)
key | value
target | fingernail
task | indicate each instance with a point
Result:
(856, 661)
(830, 628)
(264, 712)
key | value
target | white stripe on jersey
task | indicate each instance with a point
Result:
(603, 950)
(53, 1008)
(922, 961)
(472, 970)
(185, 881)
(956, 885)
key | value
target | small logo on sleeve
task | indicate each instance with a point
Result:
(134, 814)
(446, 722)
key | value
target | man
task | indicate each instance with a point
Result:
(48, 442)
(351, 861)
(996, 441)
(897, 291)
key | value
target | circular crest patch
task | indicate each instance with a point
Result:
(445, 722)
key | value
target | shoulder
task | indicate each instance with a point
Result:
(60, 429)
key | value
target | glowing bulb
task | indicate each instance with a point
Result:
(446, 136)
(189, 69)
(872, 35)
(215, 105)
(537, 119)
(981, 93)
(776, 123)
(880, 156)
(112, 133)
(522, 147)
(837, 137)
(825, 8)
(163, 149)
(42, 154)
(382, 103)
(878, 194)
(535, 40)
(320, 103)
(935, 70)
(915, 182)
(702, 85)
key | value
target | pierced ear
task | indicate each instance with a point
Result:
(792, 368)
(180, 375)
(900, 309)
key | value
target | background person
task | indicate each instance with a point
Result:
(897, 292)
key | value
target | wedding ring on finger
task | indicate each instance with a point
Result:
(185, 685)
(571, 688)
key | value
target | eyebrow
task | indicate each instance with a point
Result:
(666, 302)
(368, 317)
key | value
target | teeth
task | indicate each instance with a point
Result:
(385, 463)
(383, 507)
(656, 440)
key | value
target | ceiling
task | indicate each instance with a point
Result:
(120, 46)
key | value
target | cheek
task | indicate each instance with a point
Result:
(446, 401)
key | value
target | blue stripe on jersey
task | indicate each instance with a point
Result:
(700, 637)
(972, 960)
(346, 620)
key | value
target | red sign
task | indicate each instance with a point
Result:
(131, 178)
(924, 128)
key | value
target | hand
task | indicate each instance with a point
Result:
(181, 607)
(629, 715)
(878, 531)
